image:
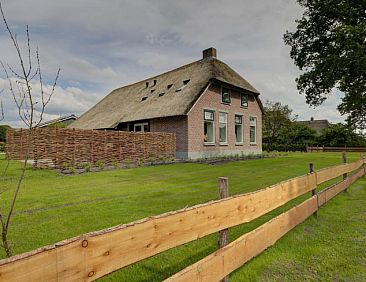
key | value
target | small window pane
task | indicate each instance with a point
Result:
(223, 117)
(244, 100)
(225, 95)
(253, 121)
(209, 115)
(238, 119)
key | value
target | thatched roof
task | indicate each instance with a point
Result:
(139, 101)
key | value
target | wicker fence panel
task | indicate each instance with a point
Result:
(56, 147)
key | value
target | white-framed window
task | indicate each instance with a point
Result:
(225, 95)
(209, 128)
(238, 129)
(244, 100)
(253, 130)
(141, 127)
(223, 128)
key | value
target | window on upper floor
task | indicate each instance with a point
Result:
(225, 95)
(244, 100)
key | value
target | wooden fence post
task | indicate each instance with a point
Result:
(344, 161)
(313, 192)
(223, 234)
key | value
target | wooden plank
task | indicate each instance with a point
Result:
(330, 192)
(222, 262)
(114, 248)
(327, 174)
(141, 240)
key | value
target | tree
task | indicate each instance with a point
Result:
(3, 129)
(296, 136)
(27, 90)
(329, 45)
(276, 117)
(340, 135)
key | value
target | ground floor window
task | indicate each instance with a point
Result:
(209, 132)
(253, 130)
(223, 127)
(238, 129)
(141, 127)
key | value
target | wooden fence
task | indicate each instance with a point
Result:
(335, 149)
(56, 147)
(93, 255)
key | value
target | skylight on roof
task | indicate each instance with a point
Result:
(185, 82)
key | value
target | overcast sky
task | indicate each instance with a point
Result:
(101, 45)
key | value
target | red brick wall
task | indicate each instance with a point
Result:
(177, 125)
(211, 99)
(54, 147)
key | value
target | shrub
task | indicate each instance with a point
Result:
(115, 163)
(86, 166)
(100, 164)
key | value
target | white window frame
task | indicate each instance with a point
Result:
(242, 128)
(255, 130)
(213, 126)
(226, 127)
(142, 126)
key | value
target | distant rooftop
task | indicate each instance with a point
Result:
(317, 124)
(71, 117)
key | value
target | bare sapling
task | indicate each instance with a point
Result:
(26, 87)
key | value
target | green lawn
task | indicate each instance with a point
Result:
(53, 207)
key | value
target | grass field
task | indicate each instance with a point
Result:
(53, 207)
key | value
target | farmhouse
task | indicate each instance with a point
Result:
(211, 109)
(317, 124)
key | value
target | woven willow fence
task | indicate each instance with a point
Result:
(54, 147)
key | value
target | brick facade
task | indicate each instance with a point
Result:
(177, 125)
(211, 99)
(189, 130)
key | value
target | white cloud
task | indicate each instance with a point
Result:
(103, 45)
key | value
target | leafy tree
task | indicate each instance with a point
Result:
(329, 45)
(3, 129)
(296, 136)
(339, 135)
(276, 116)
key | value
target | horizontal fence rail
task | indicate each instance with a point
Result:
(96, 254)
(336, 149)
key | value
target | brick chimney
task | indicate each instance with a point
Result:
(209, 53)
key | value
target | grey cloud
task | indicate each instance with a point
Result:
(101, 45)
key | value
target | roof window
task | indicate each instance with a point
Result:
(185, 82)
